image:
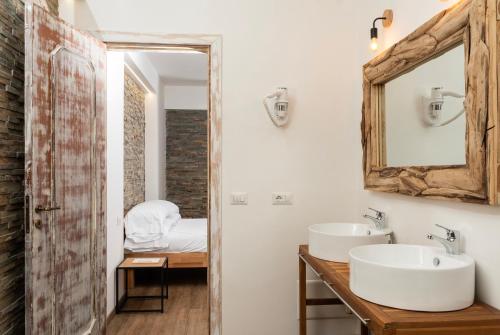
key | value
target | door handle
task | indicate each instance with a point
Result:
(41, 208)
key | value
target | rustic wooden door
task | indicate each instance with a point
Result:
(65, 178)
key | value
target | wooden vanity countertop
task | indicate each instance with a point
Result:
(479, 319)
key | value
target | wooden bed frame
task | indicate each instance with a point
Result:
(184, 260)
(179, 260)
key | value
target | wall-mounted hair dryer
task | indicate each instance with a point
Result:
(432, 115)
(277, 106)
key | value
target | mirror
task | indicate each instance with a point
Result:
(419, 137)
(424, 113)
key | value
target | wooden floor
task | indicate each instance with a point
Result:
(186, 308)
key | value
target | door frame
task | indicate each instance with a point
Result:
(212, 45)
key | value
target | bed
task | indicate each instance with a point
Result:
(185, 245)
(184, 242)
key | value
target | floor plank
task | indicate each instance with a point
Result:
(186, 310)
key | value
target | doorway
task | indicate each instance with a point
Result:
(210, 45)
(162, 96)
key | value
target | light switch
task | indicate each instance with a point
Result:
(239, 198)
(282, 198)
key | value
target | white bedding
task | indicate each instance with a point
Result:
(147, 221)
(188, 235)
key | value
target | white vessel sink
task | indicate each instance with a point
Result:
(411, 277)
(332, 241)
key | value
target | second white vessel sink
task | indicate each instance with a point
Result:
(411, 277)
(332, 241)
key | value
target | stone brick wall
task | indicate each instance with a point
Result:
(11, 167)
(187, 159)
(134, 146)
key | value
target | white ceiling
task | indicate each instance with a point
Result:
(181, 68)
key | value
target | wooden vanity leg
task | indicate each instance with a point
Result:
(302, 298)
(364, 330)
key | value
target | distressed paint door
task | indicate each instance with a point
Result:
(65, 178)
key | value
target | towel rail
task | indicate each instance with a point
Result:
(319, 275)
(363, 320)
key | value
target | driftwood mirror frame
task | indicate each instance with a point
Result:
(473, 23)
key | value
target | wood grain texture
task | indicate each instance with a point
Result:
(129, 263)
(212, 44)
(469, 22)
(302, 298)
(494, 133)
(185, 260)
(65, 167)
(186, 310)
(491, 126)
(479, 319)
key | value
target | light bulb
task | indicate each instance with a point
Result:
(374, 44)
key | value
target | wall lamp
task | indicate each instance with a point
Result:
(386, 21)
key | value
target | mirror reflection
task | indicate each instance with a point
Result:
(425, 122)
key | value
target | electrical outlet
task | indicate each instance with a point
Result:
(239, 198)
(282, 198)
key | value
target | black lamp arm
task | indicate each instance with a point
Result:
(378, 19)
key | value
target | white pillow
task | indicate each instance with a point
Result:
(149, 220)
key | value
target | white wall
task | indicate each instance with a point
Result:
(316, 49)
(410, 141)
(114, 168)
(186, 97)
(155, 132)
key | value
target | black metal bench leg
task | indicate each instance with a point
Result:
(117, 292)
(166, 277)
(162, 284)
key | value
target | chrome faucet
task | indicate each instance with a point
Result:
(452, 241)
(378, 219)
